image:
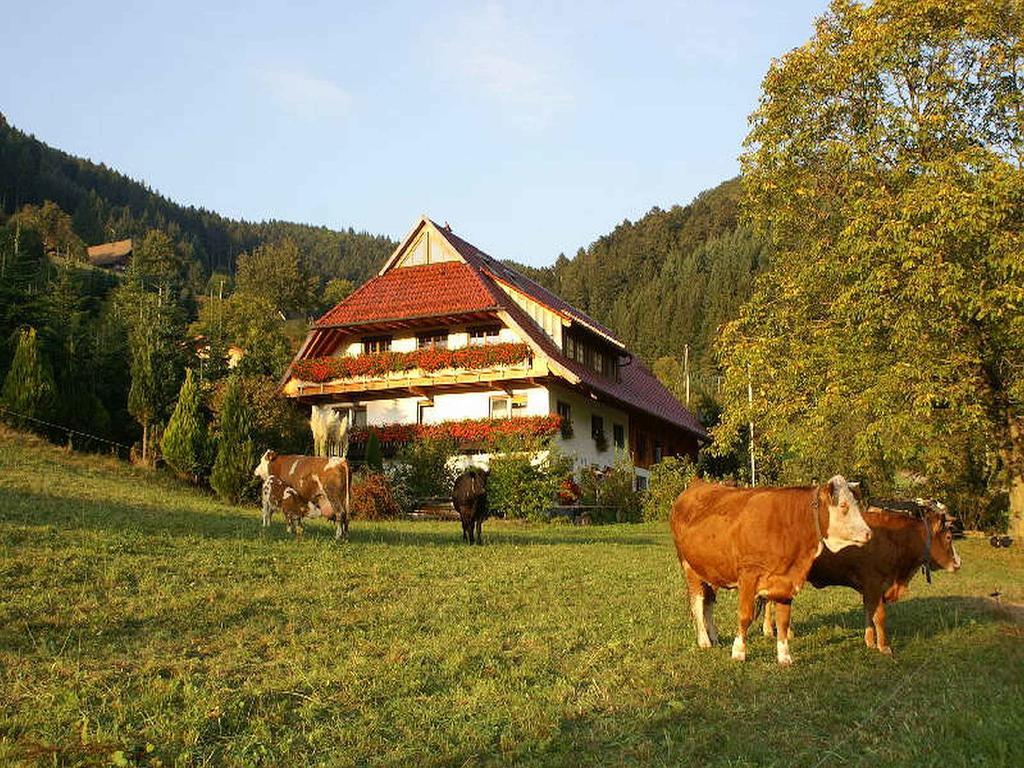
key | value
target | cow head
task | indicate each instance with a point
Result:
(943, 554)
(846, 526)
(263, 468)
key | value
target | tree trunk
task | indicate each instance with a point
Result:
(1017, 508)
(145, 433)
(1015, 479)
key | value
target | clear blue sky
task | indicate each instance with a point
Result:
(559, 119)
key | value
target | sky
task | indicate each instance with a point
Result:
(532, 128)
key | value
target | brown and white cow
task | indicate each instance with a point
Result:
(761, 541)
(324, 482)
(279, 497)
(906, 536)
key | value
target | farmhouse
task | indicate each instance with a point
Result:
(446, 337)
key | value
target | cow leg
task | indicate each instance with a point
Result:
(879, 621)
(782, 617)
(695, 588)
(479, 530)
(767, 627)
(709, 614)
(745, 614)
(872, 600)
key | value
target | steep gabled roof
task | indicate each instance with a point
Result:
(445, 288)
(504, 273)
(106, 254)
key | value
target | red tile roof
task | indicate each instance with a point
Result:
(445, 288)
(536, 291)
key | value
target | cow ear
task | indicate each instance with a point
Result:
(833, 491)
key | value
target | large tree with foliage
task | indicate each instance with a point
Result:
(236, 455)
(185, 445)
(884, 164)
(28, 387)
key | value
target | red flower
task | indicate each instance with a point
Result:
(466, 430)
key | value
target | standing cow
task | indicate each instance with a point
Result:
(761, 541)
(279, 497)
(324, 482)
(906, 536)
(469, 497)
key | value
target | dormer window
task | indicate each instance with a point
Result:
(373, 344)
(432, 340)
(481, 335)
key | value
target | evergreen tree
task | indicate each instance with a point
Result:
(374, 458)
(185, 444)
(236, 454)
(28, 387)
(144, 393)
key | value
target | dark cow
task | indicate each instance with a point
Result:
(906, 536)
(761, 541)
(469, 497)
(324, 482)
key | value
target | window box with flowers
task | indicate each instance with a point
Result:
(464, 431)
(428, 359)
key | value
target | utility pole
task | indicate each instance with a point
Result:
(750, 447)
(686, 369)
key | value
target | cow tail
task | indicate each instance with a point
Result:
(348, 489)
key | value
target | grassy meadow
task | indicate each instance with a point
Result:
(144, 623)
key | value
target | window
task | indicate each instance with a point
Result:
(424, 412)
(619, 436)
(657, 452)
(641, 483)
(484, 335)
(356, 414)
(500, 407)
(432, 340)
(519, 403)
(565, 411)
(641, 446)
(597, 431)
(376, 344)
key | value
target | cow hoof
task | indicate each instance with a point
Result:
(739, 650)
(785, 661)
(703, 642)
(885, 651)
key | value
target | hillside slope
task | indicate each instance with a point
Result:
(141, 621)
(107, 205)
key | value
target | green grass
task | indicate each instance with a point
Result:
(135, 612)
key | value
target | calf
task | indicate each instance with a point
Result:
(761, 541)
(469, 497)
(325, 483)
(906, 536)
(277, 496)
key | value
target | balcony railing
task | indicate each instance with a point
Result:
(378, 365)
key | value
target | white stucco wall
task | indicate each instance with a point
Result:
(450, 407)
(581, 445)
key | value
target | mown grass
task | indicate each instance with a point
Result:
(137, 614)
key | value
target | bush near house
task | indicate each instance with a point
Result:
(669, 477)
(373, 497)
(611, 491)
(526, 474)
(427, 473)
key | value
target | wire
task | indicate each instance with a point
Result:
(63, 428)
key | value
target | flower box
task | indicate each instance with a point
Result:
(383, 364)
(464, 431)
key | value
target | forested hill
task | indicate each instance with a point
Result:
(667, 280)
(107, 205)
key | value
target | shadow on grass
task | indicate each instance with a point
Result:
(922, 617)
(819, 712)
(175, 520)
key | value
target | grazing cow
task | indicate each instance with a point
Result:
(906, 536)
(761, 541)
(277, 496)
(325, 483)
(469, 497)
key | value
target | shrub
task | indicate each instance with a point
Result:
(525, 475)
(276, 423)
(372, 497)
(185, 446)
(428, 472)
(374, 458)
(611, 491)
(669, 478)
(28, 388)
(232, 471)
